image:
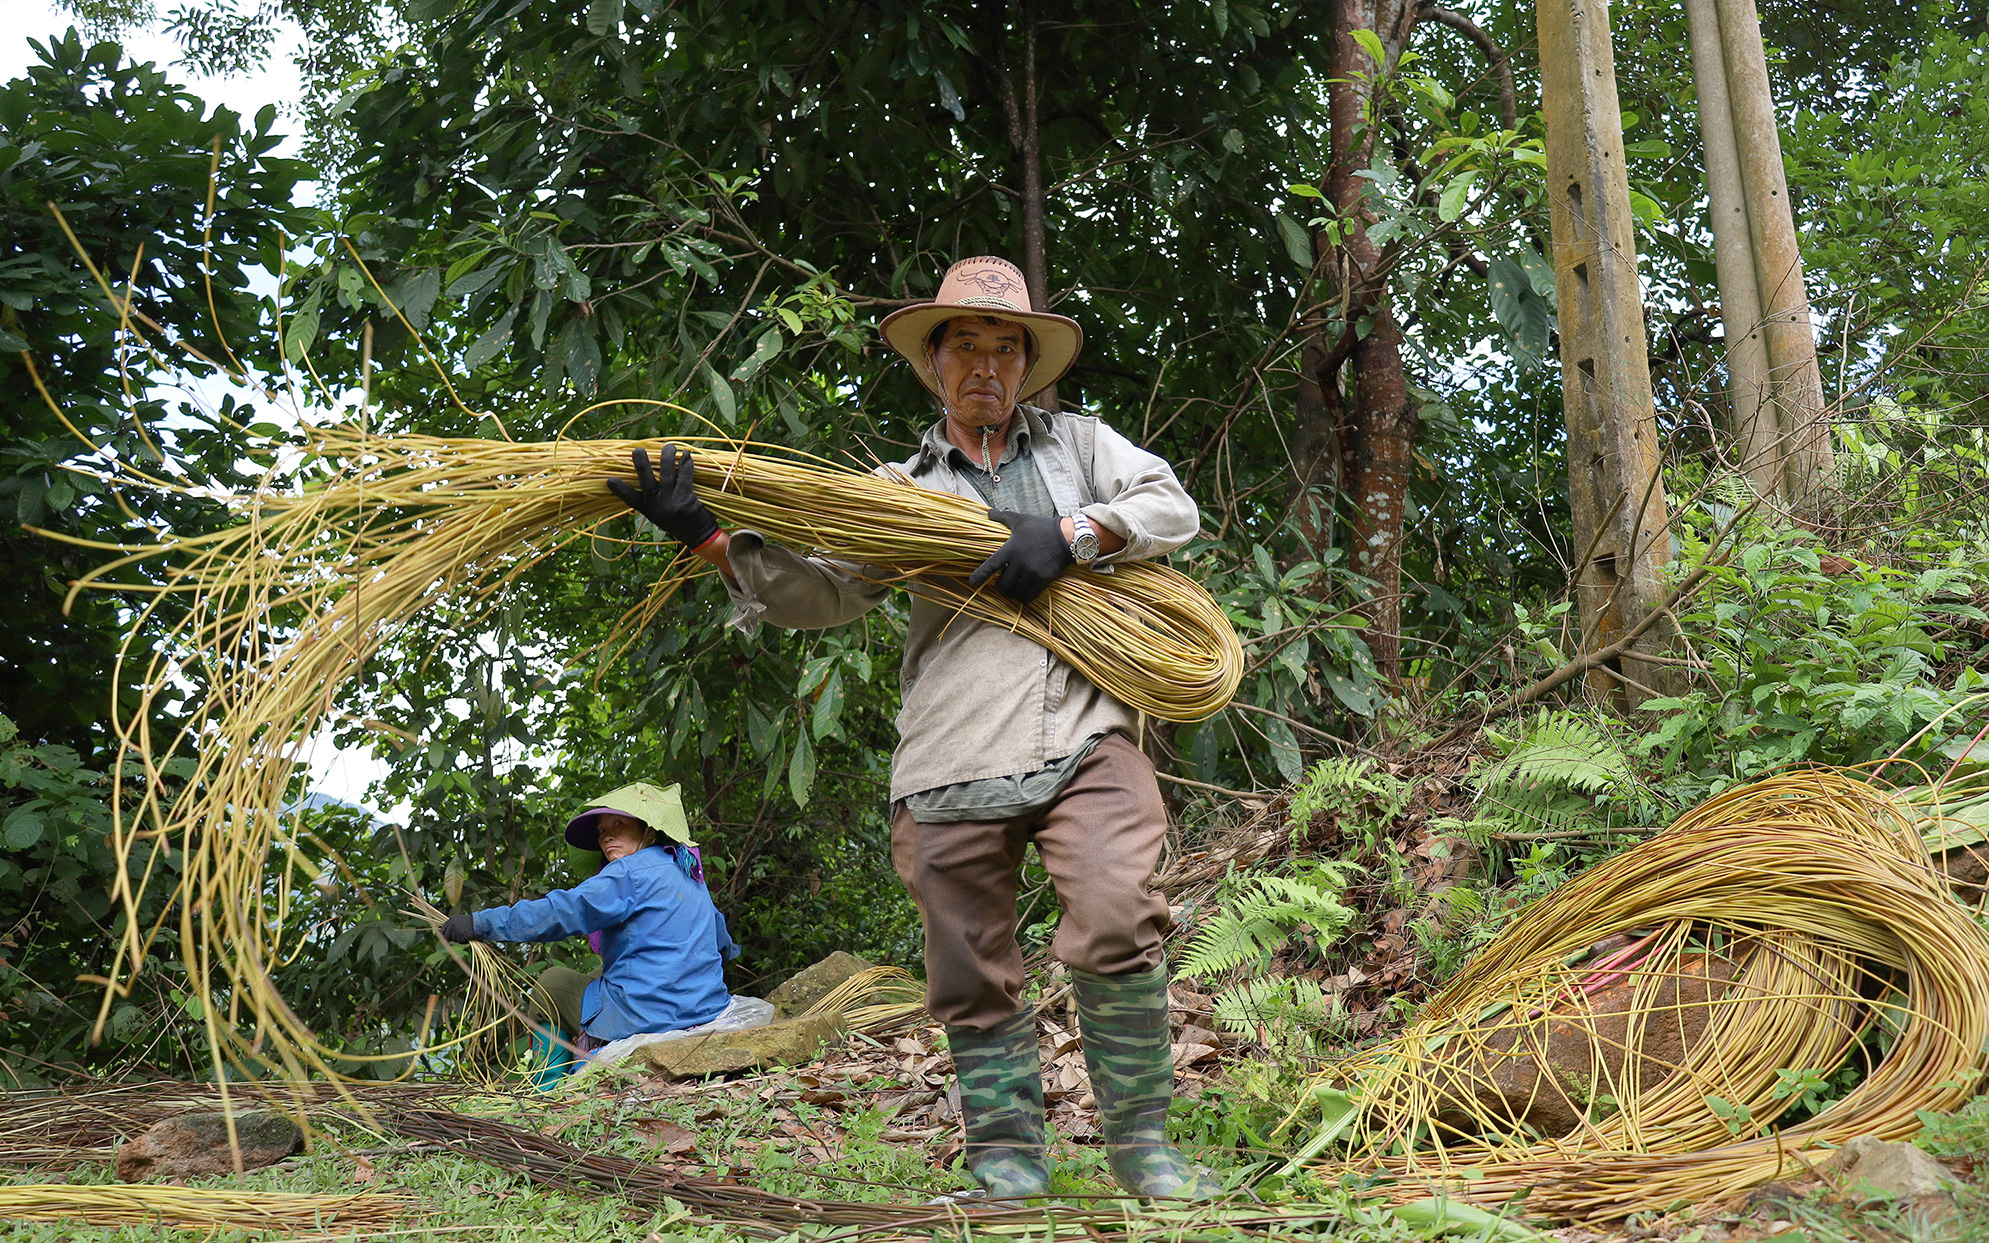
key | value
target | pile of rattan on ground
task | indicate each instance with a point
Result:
(1792, 925)
(287, 606)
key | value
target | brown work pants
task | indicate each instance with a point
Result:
(1100, 842)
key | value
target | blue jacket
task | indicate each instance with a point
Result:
(662, 945)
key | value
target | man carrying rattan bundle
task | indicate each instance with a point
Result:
(1000, 742)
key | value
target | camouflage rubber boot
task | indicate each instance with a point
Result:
(1124, 1018)
(1001, 1105)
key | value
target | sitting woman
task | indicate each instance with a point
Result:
(663, 945)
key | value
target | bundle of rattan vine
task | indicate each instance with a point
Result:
(1771, 937)
(285, 607)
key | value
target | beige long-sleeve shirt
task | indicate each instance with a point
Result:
(978, 700)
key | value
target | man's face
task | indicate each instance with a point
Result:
(980, 366)
(621, 836)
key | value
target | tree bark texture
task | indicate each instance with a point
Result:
(1025, 137)
(1616, 493)
(1355, 421)
(1780, 425)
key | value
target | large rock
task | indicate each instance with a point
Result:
(810, 984)
(196, 1145)
(1547, 1070)
(788, 1041)
(1893, 1170)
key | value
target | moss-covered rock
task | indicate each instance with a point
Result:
(787, 1041)
(810, 984)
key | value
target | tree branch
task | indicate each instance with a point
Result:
(1501, 65)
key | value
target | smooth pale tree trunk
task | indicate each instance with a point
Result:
(1621, 529)
(1781, 429)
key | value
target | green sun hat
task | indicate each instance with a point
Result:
(659, 807)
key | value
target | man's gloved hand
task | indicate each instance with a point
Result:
(666, 499)
(1035, 553)
(460, 928)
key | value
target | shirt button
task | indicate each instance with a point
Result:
(1046, 660)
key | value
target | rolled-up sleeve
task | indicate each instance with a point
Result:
(773, 584)
(1146, 506)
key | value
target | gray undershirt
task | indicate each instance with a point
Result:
(1020, 488)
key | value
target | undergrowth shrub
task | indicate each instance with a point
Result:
(1806, 655)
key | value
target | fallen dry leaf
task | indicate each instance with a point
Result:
(1189, 1054)
(667, 1135)
(363, 1171)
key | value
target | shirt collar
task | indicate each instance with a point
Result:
(1024, 428)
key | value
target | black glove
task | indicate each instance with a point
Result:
(1035, 553)
(668, 501)
(460, 928)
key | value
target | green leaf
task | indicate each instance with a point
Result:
(11, 343)
(764, 351)
(492, 340)
(415, 295)
(604, 17)
(1539, 272)
(24, 827)
(1450, 205)
(1232, 141)
(1297, 243)
(721, 396)
(801, 770)
(1284, 749)
(829, 707)
(1311, 192)
(1371, 44)
(1645, 208)
(1755, 557)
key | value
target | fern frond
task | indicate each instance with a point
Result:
(1260, 917)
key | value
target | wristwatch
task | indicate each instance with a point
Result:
(1084, 547)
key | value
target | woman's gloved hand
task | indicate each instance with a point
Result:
(666, 497)
(460, 928)
(1035, 553)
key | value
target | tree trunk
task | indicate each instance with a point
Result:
(1355, 422)
(1019, 109)
(1616, 492)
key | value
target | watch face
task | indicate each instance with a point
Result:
(1085, 547)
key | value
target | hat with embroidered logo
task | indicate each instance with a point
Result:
(986, 285)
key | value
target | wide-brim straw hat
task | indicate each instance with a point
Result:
(986, 285)
(661, 808)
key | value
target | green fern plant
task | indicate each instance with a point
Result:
(1561, 772)
(1280, 1009)
(1362, 796)
(1261, 916)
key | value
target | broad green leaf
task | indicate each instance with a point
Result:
(801, 770)
(1450, 205)
(604, 16)
(1539, 272)
(1297, 244)
(23, 828)
(829, 707)
(1284, 749)
(492, 340)
(1371, 44)
(764, 351)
